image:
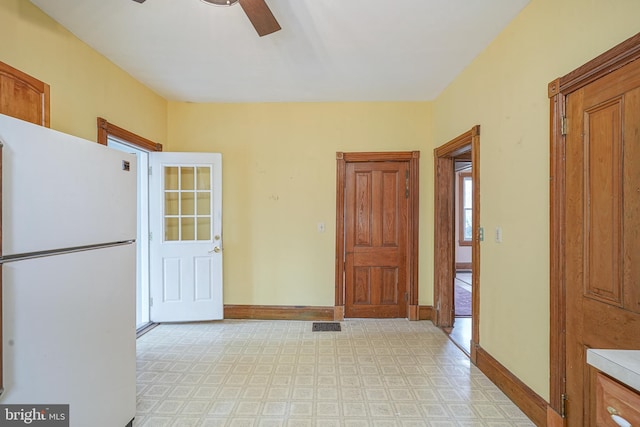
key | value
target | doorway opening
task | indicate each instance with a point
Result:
(457, 237)
(121, 139)
(142, 237)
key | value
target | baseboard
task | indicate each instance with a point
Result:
(529, 402)
(278, 312)
(425, 312)
(463, 266)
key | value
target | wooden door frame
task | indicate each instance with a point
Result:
(106, 129)
(558, 90)
(413, 158)
(444, 232)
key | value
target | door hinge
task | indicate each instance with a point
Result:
(563, 126)
(150, 236)
(150, 170)
(406, 185)
(563, 406)
(406, 296)
(151, 302)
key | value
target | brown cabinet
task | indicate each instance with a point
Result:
(616, 403)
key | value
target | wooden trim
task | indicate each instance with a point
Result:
(475, 246)
(558, 90)
(338, 312)
(414, 312)
(534, 406)
(384, 156)
(425, 312)
(444, 250)
(38, 85)
(414, 225)
(106, 129)
(278, 312)
(444, 231)
(611, 60)
(413, 158)
(554, 419)
(340, 243)
(464, 265)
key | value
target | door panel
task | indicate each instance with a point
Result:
(602, 229)
(376, 201)
(23, 97)
(186, 244)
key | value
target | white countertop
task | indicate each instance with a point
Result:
(623, 365)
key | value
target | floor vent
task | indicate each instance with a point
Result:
(326, 326)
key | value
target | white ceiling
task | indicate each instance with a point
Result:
(327, 50)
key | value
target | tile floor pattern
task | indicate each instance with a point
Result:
(278, 373)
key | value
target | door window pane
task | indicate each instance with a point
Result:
(187, 178)
(187, 203)
(204, 178)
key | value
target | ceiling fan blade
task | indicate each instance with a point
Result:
(260, 16)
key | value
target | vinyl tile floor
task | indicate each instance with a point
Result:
(279, 373)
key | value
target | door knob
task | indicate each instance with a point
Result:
(216, 249)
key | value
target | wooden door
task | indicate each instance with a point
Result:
(602, 234)
(376, 225)
(23, 97)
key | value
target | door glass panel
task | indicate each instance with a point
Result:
(171, 230)
(170, 178)
(188, 228)
(187, 203)
(204, 228)
(204, 178)
(187, 211)
(204, 203)
(187, 178)
(171, 203)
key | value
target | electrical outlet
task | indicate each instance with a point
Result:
(321, 227)
(498, 234)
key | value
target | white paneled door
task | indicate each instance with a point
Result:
(185, 218)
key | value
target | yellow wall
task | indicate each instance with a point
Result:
(84, 84)
(505, 91)
(279, 159)
(279, 169)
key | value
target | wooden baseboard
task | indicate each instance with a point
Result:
(425, 312)
(554, 419)
(463, 266)
(534, 406)
(278, 312)
(338, 313)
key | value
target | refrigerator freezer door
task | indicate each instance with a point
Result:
(60, 191)
(69, 334)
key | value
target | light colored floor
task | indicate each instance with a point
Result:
(279, 373)
(461, 332)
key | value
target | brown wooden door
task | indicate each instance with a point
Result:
(602, 229)
(23, 97)
(376, 224)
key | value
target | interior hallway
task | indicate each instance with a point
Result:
(279, 373)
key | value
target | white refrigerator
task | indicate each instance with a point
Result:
(68, 274)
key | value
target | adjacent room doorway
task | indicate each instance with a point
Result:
(453, 161)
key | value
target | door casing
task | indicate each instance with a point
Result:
(412, 157)
(444, 232)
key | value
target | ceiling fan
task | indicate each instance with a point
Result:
(257, 11)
